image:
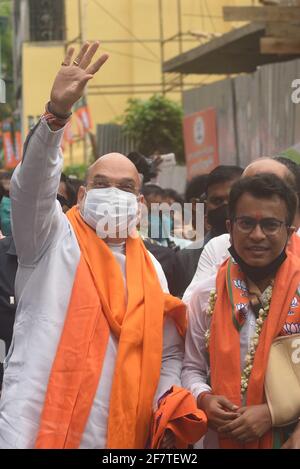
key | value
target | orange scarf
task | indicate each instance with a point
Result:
(98, 307)
(224, 346)
(177, 411)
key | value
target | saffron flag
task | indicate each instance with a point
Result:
(83, 116)
(10, 160)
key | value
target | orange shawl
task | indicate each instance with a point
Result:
(98, 306)
(177, 411)
(224, 346)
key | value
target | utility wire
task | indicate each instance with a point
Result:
(203, 16)
(210, 16)
(131, 55)
(125, 28)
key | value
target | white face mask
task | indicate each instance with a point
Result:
(112, 213)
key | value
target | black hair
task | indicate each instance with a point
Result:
(263, 186)
(141, 164)
(76, 184)
(173, 195)
(152, 189)
(72, 196)
(223, 173)
(196, 187)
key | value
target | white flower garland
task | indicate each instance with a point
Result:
(262, 315)
(210, 310)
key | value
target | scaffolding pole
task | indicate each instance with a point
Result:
(180, 44)
(162, 50)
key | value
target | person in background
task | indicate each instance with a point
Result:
(170, 196)
(218, 186)
(5, 204)
(188, 257)
(76, 184)
(195, 194)
(165, 255)
(160, 223)
(294, 169)
(66, 194)
(142, 165)
(159, 227)
(214, 193)
(8, 303)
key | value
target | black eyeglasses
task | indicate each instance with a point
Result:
(269, 226)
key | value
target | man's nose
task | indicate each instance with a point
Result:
(257, 233)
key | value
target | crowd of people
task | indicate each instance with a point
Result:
(116, 333)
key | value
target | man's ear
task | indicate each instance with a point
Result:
(228, 225)
(291, 231)
(142, 208)
(229, 229)
(207, 226)
(80, 195)
(141, 199)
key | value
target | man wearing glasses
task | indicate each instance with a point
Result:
(235, 317)
(215, 252)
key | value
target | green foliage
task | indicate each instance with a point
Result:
(6, 45)
(78, 170)
(155, 125)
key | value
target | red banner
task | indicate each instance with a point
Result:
(68, 133)
(200, 142)
(83, 113)
(10, 160)
(79, 125)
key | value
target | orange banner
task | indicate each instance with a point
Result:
(84, 115)
(10, 160)
(200, 142)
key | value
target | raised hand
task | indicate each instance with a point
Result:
(70, 82)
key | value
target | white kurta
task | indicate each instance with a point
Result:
(48, 255)
(214, 253)
(195, 372)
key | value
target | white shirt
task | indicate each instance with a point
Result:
(214, 253)
(195, 372)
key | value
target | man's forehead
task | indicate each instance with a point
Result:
(113, 165)
(98, 175)
(258, 203)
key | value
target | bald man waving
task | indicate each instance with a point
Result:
(97, 338)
